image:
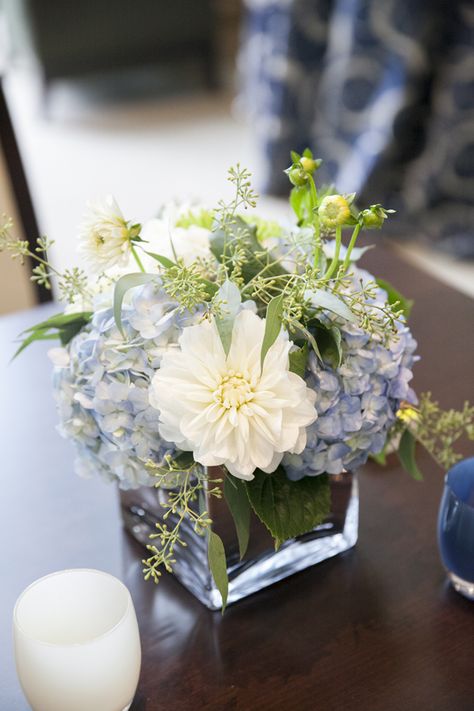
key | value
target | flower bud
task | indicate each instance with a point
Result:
(298, 176)
(373, 217)
(334, 211)
(309, 165)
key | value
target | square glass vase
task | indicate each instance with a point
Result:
(261, 565)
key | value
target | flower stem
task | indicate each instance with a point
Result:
(355, 234)
(137, 258)
(332, 267)
(314, 203)
(313, 192)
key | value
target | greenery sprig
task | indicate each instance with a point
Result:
(437, 430)
(182, 506)
(72, 283)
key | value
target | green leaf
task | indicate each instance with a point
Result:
(406, 454)
(300, 201)
(329, 341)
(240, 234)
(321, 299)
(380, 458)
(272, 325)
(289, 508)
(310, 338)
(124, 284)
(218, 565)
(60, 326)
(210, 287)
(295, 156)
(235, 494)
(229, 295)
(39, 335)
(393, 296)
(298, 359)
(164, 261)
(60, 320)
(67, 333)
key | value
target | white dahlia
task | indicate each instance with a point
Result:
(227, 409)
(104, 236)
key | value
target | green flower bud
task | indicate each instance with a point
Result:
(374, 216)
(309, 165)
(134, 231)
(334, 211)
(298, 176)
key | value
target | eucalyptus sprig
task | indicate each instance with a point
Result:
(72, 283)
(181, 507)
(437, 430)
(244, 197)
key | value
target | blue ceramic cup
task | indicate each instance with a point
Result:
(456, 527)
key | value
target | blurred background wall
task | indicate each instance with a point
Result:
(16, 290)
(152, 100)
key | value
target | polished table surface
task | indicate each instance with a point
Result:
(375, 628)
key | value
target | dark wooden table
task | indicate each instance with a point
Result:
(375, 628)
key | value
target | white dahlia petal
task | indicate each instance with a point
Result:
(227, 410)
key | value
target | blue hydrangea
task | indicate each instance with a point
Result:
(102, 393)
(357, 401)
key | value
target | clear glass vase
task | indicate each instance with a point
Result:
(261, 565)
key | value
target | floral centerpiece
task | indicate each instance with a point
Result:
(211, 353)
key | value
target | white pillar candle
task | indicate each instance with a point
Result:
(77, 645)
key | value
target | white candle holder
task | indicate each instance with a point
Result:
(77, 644)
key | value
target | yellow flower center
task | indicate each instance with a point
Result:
(233, 391)
(334, 211)
(99, 239)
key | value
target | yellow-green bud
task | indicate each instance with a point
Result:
(309, 165)
(334, 211)
(298, 176)
(373, 217)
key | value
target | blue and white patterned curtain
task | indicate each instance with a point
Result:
(382, 90)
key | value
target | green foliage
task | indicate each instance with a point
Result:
(72, 283)
(289, 508)
(164, 261)
(226, 306)
(199, 218)
(187, 285)
(406, 454)
(306, 333)
(329, 342)
(182, 505)
(300, 201)
(124, 284)
(235, 494)
(439, 430)
(39, 335)
(237, 248)
(272, 325)
(321, 299)
(265, 229)
(395, 298)
(298, 360)
(61, 326)
(380, 458)
(218, 565)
